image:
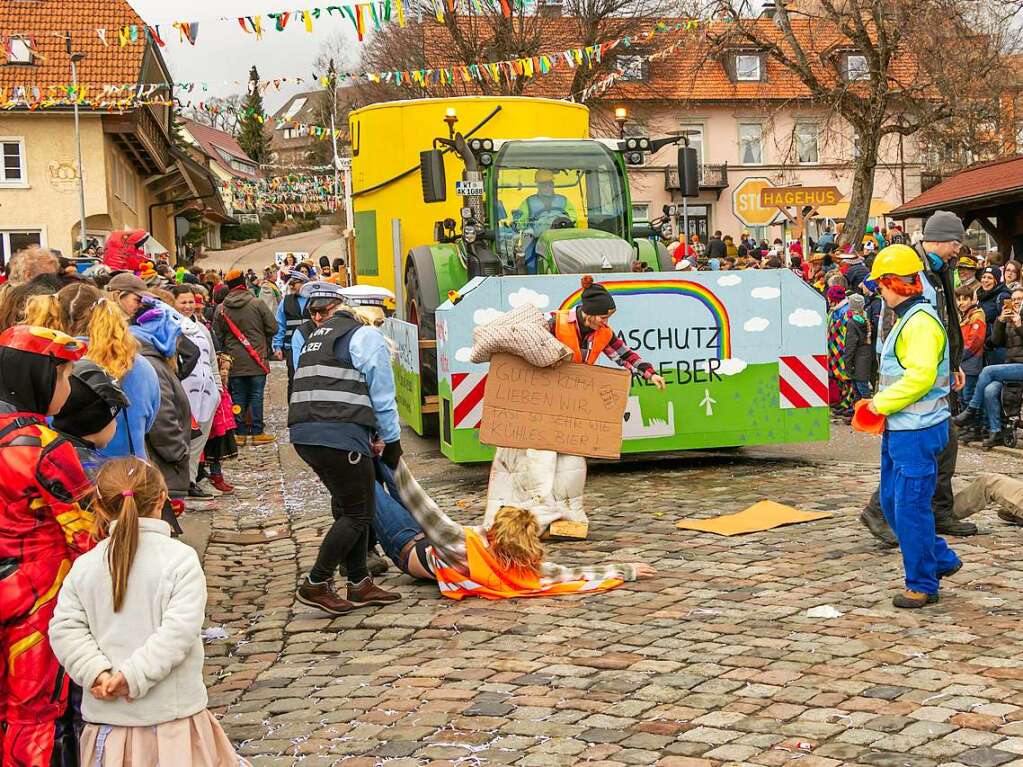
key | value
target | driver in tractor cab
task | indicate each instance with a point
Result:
(540, 210)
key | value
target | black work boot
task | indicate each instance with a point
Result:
(946, 524)
(994, 439)
(878, 527)
(967, 417)
(970, 434)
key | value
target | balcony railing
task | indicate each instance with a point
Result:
(141, 136)
(711, 177)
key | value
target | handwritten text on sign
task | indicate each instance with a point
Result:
(573, 409)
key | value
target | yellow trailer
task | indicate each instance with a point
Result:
(387, 140)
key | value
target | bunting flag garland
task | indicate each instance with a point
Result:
(128, 96)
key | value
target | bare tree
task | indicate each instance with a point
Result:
(886, 67)
(221, 113)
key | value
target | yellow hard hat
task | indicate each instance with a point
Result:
(896, 259)
(543, 175)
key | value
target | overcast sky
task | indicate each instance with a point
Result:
(223, 52)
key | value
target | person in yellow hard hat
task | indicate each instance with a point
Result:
(914, 389)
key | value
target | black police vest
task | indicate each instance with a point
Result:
(293, 318)
(324, 389)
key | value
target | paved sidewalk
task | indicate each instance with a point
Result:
(712, 663)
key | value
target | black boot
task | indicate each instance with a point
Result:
(878, 527)
(994, 439)
(970, 434)
(968, 416)
(957, 528)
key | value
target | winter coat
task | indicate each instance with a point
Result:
(550, 485)
(1006, 335)
(859, 352)
(856, 274)
(991, 302)
(716, 248)
(203, 384)
(153, 639)
(256, 322)
(142, 388)
(974, 329)
(169, 440)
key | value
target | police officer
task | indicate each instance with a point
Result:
(914, 389)
(291, 312)
(342, 403)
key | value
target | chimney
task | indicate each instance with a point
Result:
(550, 9)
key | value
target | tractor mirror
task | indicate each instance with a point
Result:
(431, 165)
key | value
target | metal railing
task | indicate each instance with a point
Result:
(711, 177)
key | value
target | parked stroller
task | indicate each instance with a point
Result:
(1012, 402)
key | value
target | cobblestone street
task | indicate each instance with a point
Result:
(713, 662)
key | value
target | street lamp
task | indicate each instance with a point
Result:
(621, 115)
(76, 58)
(451, 117)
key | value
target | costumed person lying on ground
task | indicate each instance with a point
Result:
(497, 561)
(914, 389)
(988, 489)
(550, 484)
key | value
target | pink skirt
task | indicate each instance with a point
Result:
(196, 741)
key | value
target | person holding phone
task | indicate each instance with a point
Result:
(1006, 335)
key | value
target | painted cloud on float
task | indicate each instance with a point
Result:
(756, 324)
(729, 279)
(805, 318)
(765, 293)
(524, 296)
(483, 316)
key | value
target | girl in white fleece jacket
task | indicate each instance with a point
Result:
(126, 629)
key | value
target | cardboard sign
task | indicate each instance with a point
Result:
(573, 409)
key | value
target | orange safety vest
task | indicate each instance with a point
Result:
(489, 579)
(567, 332)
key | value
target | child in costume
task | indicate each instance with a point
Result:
(42, 530)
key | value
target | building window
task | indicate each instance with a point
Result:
(631, 69)
(640, 211)
(12, 168)
(751, 144)
(807, 151)
(123, 181)
(747, 67)
(856, 67)
(19, 51)
(11, 241)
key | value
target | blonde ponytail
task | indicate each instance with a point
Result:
(514, 539)
(44, 311)
(110, 343)
(125, 486)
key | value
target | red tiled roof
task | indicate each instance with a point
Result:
(211, 139)
(43, 21)
(973, 185)
(693, 71)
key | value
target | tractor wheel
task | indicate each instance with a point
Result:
(425, 319)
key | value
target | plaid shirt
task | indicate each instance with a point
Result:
(447, 538)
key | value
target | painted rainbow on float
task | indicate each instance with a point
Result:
(683, 288)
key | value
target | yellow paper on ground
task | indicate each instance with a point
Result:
(764, 515)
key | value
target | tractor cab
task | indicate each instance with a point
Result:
(559, 207)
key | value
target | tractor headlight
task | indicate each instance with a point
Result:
(469, 234)
(488, 145)
(633, 158)
(486, 158)
(475, 144)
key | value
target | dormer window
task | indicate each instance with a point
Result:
(748, 68)
(856, 67)
(19, 51)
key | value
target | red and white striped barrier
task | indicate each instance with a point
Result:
(803, 381)
(467, 399)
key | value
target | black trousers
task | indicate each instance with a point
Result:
(291, 369)
(350, 479)
(941, 503)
